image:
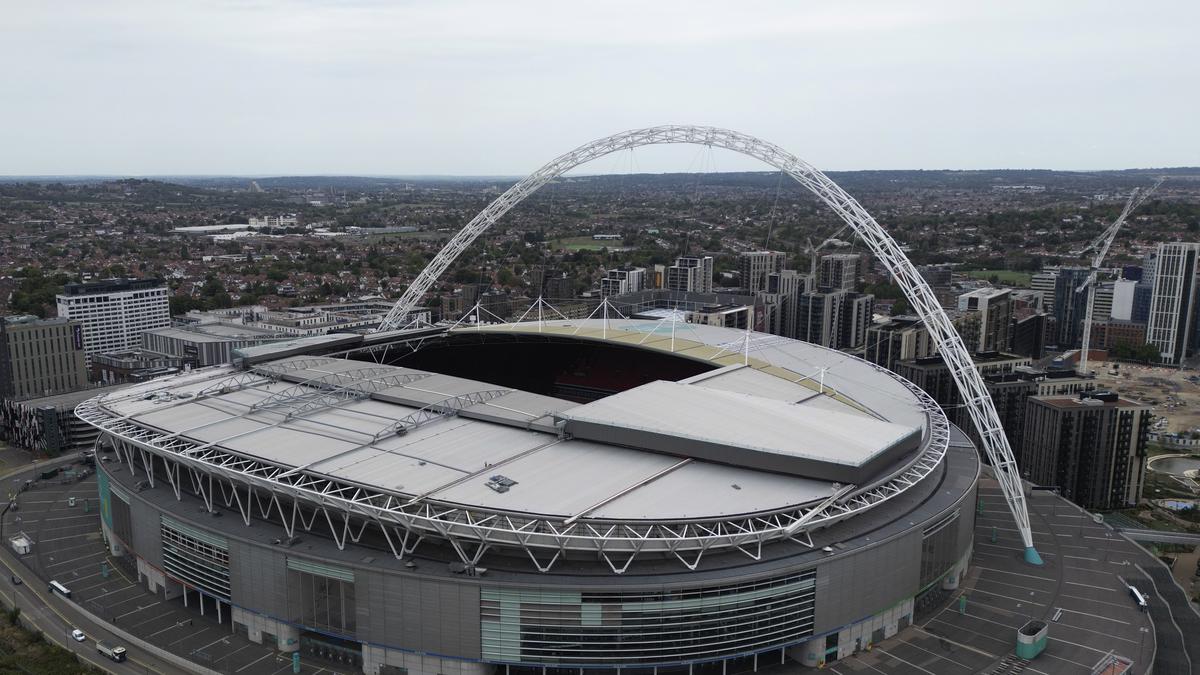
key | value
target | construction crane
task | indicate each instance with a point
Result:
(813, 250)
(1101, 245)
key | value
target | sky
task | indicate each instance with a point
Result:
(491, 87)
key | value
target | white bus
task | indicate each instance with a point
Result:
(1138, 597)
(56, 587)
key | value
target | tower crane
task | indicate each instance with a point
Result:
(813, 250)
(1100, 246)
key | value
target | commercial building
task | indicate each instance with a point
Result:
(135, 365)
(205, 344)
(1173, 308)
(40, 357)
(1092, 447)
(755, 266)
(116, 312)
(708, 513)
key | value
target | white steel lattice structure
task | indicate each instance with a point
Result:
(920, 296)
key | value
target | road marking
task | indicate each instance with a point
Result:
(957, 644)
(75, 561)
(267, 655)
(852, 656)
(901, 660)
(1099, 588)
(1096, 616)
(1098, 651)
(154, 618)
(140, 608)
(117, 590)
(1019, 574)
(1121, 605)
(946, 658)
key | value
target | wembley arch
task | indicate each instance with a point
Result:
(919, 295)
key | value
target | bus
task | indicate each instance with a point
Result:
(56, 587)
(1138, 597)
(114, 652)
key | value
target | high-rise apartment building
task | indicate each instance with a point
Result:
(1124, 292)
(692, 274)
(1043, 282)
(837, 320)
(1171, 326)
(839, 272)
(780, 301)
(1070, 306)
(40, 357)
(754, 266)
(1102, 301)
(622, 280)
(1092, 447)
(115, 312)
(903, 338)
(986, 325)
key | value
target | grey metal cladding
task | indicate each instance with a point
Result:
(147, 537)
(857, 586)
(433, 617)
(258, 578)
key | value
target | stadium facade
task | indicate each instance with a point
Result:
(579, 495)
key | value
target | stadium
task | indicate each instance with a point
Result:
(568, 495)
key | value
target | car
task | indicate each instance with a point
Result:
(78, 636)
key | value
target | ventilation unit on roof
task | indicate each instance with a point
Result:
(500, 483)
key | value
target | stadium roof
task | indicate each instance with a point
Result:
(777, 436)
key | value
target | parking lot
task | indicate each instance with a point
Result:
(1079, 592)
(68, 548)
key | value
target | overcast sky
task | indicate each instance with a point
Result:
(501, 86)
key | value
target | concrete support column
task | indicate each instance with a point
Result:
(811, 653)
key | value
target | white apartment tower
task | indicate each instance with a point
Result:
(1171, 327)
(115, 312)
(690, 273)
(622, 280)
(754, 266)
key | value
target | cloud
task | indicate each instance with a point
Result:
(314, 86)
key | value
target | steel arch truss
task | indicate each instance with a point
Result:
(918, 293)
(220, 476)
